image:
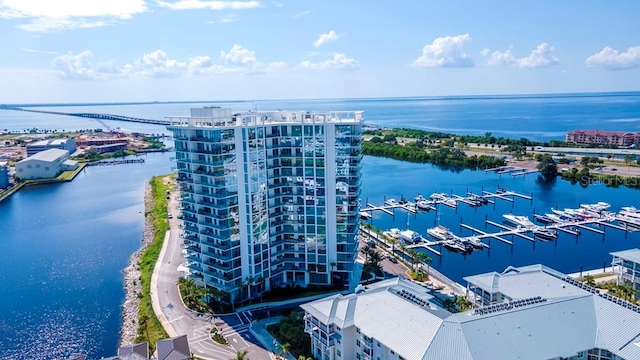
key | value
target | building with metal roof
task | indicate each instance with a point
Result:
(45, 164)
(626, 264)
(532, 312)
(68, 144)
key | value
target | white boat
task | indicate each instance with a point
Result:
(393, 233)
(563, 214)
(475, 242)
(555, 218)
(450, 202)
(582, 213)
(439, 232)
(597, 207)
(423, 205)
(630, 213)
(629, 220)
(630, 209)
(519, 220)
(365, 215)
(391, 202)
(457, 245)
(419, 198)
(438, 196)
(545, 234)
(411, 237)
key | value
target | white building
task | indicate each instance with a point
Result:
(542, 314)
(626, 264)
(269, 198)
(45, 164)
(68, 144)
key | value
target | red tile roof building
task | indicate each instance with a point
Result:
(603, 137)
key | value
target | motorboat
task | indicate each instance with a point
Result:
(391, 202)
(630, 220)
(419, 198)
(555, 218)
(393, 233)
(450, 202)
(365, 215)
(630, 209)
(564, 214)
(475, 242)
(439, 232)
(411, 237)
(438, 196)
(501, 190)
(545, 234)
(478, 200)
(456, 245)
(519, 220)
(597, 207)
(423, 205)
(582, 213)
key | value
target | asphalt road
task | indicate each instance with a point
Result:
(197, 327)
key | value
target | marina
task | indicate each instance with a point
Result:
(594, 218)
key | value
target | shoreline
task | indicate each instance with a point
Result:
(132, 282)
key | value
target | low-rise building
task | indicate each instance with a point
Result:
(535, 313)
(101, 149)
(45, 164)
(626, 264)
(68, 144)
(176, 348)
(599, 137)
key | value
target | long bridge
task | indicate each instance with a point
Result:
(97, 116)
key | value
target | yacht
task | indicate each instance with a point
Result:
(365, 215)
(419, 198)
(450, 202)
(411, 237)
(564, 214)
(630, 220)
(393, 233)
(519, 220)
(630, 209)
(439, 232)
(438, 196)
(597, 207)
(545, 234)
(581, 213)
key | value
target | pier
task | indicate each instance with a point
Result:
(115, 162)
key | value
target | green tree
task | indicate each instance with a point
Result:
(462, 303)
(283, 348)
(548, 168)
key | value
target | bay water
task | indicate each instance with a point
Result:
(63, 246)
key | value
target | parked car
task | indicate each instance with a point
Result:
(393, 259)
(170, 215)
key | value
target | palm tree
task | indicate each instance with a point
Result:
(248, 282)
(462, 303)
(241, 355)
(413, 256)
(626, 292)
(393, 242)
(302, 357)
(365, 250)
(283, 349)
(423, 258)
(589, 280)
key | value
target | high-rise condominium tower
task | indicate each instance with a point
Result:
(269, 198)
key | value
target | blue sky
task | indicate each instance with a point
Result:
(146, 50)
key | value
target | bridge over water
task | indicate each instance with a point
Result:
(96, 116)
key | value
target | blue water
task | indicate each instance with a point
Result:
(537, 117)
(63, 247)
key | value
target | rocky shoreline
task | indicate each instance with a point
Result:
(132, 283)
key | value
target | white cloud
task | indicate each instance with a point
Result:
(209, 5)
(227, 19)
(445, 51)
(38, 51)
(301, 14)
(542, 56)
(611, 59)
(325, 38)
(339, 61)
(47, 15)
(79, 67)
(158, 64)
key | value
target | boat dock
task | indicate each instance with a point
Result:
(513, 170)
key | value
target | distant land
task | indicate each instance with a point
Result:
(451, 97)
